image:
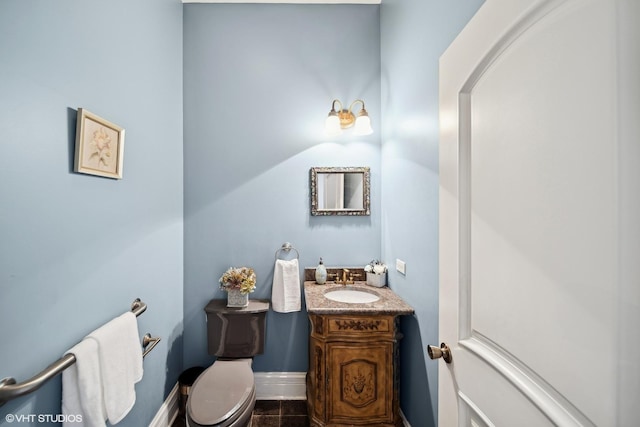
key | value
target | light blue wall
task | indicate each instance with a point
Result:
(76, 250)
(259, 81)
(414, 35)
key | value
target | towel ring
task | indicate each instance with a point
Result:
(286, 246)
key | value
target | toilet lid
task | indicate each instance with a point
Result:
(220, 391)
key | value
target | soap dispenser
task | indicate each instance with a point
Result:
(321, 273)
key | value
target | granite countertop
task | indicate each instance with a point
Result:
(389, 302)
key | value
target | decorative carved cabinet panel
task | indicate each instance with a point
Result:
(352, 377)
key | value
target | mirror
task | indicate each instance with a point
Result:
(340, 191)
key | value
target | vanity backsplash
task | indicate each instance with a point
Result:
(358, 273)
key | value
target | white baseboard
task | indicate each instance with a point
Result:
(168, 411)
(281, 385)
(269, 386)
(404, 419)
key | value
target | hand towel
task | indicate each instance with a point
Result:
(120, 356)
(82, 387)
(285, 293)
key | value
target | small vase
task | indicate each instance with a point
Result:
(237, 299)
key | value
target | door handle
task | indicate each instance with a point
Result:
(437, 352)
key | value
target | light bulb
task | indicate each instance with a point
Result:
(332, 125)
(363, 125)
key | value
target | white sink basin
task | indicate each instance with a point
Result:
(352, 296)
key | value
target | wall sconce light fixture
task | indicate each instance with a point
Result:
(343, 119)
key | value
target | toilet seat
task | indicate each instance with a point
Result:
(222, 394)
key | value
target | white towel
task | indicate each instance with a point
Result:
(285, 293)
(120, 357)
(82, 387)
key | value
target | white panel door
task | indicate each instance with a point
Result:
(539, 213)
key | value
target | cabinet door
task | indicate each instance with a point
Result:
(360, 383)
(316, 379)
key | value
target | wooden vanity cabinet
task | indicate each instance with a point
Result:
(353, 370)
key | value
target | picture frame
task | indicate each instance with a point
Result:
(342, 191)
(99, 146)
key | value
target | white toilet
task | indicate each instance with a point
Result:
(224, 395)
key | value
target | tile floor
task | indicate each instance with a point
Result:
(280, 413)
(273, 413)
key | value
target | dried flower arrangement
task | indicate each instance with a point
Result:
(375, 267)
(241, 278)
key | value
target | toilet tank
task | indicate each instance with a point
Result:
(236, 332)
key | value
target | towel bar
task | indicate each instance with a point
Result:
(148, 339)
(9, 389)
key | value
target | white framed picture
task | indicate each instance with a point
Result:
(99, 146)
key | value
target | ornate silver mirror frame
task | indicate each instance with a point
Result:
(340, 191)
